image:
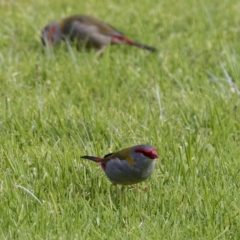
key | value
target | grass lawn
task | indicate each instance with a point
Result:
(60, 104)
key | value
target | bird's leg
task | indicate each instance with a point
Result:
(135, 188)
(118, 190)
(100, 51)
(138, 190)
(146, 189)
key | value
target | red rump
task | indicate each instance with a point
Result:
(103, 165)
(97, 160)
(122, 39)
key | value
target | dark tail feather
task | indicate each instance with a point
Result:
(151, 49)
(122, 39)
(95, 159)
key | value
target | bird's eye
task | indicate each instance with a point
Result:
(152, 154)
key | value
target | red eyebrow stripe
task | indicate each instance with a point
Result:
(152, 152)
(140, 150)
(52, 32)
(52, 29)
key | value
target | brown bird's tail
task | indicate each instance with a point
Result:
(95, 159)
(140, 45)
(123, 39)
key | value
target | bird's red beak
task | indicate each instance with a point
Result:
(154, 153)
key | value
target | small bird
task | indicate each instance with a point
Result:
(86, 31)
(128, 166)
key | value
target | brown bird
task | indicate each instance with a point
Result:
(86, 31)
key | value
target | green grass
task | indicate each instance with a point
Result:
(58, 105)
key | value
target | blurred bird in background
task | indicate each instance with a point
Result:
(88, 32)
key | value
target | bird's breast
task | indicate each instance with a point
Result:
(121, 172)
